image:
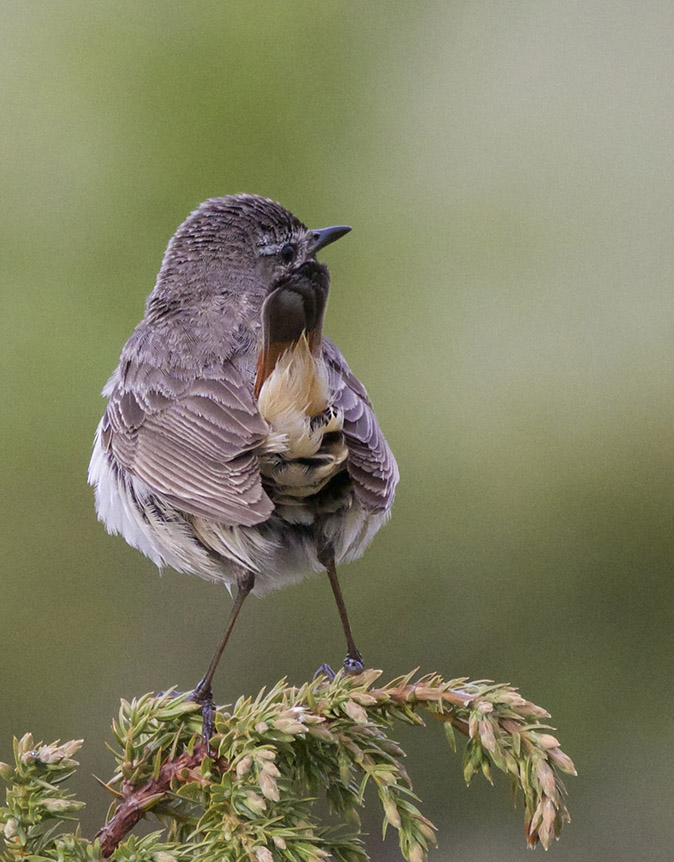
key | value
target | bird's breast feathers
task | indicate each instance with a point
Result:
(305, 448)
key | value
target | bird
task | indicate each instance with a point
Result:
(236, 443)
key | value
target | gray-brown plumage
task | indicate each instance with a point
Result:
(237, 444)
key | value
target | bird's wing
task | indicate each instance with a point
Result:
(370, 463)
(192, 440)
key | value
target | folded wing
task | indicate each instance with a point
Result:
(370, 462)
(192, 440)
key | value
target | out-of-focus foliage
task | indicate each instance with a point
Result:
(505, 295)
(253, 793)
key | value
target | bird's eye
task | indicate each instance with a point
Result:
(287, 253)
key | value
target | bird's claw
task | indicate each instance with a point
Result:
(353, 664)
(203, 695)
(325, 670)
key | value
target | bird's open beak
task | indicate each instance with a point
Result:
(325, 235)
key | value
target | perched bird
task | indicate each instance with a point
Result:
(236, 443)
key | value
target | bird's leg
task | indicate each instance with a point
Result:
(353, 663)
(203, 693)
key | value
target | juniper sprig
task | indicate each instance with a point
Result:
(253, 792)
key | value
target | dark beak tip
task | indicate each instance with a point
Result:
(326, 235)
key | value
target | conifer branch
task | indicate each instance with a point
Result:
(137, 802)
(252, 795)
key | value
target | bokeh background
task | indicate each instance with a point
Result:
(506, 295)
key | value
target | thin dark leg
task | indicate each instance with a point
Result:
(203, 693)
(353, 663)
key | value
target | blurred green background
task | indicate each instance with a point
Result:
(506, 295)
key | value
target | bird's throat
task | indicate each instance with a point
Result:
(292, 322)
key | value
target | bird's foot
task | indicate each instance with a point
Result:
(203, 695)
(353, 664)
(325, 670)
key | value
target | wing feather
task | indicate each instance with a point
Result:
(191, 440)
(370, 463)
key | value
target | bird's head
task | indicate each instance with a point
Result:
(237, 245)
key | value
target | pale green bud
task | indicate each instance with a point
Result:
(243, 766)
(56, 805)
(268, 786)
(356, 712)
